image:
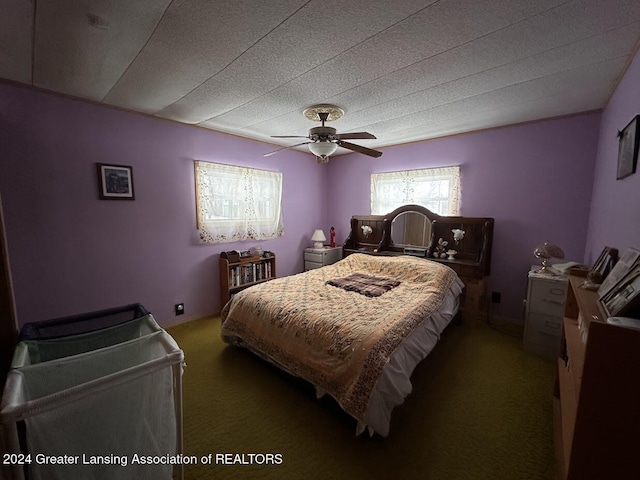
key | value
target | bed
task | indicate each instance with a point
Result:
(355, 329)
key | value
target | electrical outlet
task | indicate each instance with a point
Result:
(179, 308)
(495, 297)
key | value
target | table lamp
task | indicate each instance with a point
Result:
(318, 238)
(545, 251)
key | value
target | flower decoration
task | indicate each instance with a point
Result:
(458, 234)
(440, 249)
(366, 230)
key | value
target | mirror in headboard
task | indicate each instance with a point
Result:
(414, 225)
(411, 229)
(407, 227)
(415, 230)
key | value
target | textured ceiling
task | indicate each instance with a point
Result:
(403, 70)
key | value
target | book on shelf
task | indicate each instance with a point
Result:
(249, 273)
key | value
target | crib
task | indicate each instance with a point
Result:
(94, 396)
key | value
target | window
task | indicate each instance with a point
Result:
(237, 203)
(437, 189)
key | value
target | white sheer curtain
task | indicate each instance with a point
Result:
(237, 203)
(437, 189)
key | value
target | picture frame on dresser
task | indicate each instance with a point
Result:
(625, 295)
(628, 142)
(629, 259)
(605, 262)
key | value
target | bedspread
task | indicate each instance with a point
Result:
(337, 340)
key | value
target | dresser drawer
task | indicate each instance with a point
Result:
(313, 257)
(548, 298)
(543, 330)
(320, 257)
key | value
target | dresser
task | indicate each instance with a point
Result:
(320, 257)
(545, 306)
(597, 393)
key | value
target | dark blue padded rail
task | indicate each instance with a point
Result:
(82, 323)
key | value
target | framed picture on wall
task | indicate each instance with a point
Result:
(115, 182)
(628, 141)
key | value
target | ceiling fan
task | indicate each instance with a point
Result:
(323, 141)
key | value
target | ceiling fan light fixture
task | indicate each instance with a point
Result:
(323, 140)
(323, 149)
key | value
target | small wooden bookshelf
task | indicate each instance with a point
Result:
(597, 393)
(236, 275)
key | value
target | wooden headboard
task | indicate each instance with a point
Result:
(474, 250)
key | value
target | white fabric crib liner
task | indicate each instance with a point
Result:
(22, 395)
(29, 352)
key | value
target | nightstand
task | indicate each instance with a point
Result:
(546, 298)
(320, 257)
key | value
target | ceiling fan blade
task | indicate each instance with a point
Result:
(360, 149)
(357, 136)
(289, 136)
(285, 148)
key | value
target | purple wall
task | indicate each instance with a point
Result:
(534, 179)
(71, 252)
(615, 205)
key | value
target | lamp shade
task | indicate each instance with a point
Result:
(545, 251)
(548, 250)
(323, 149)
(318, 238)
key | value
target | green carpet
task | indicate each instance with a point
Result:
(481, 408)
